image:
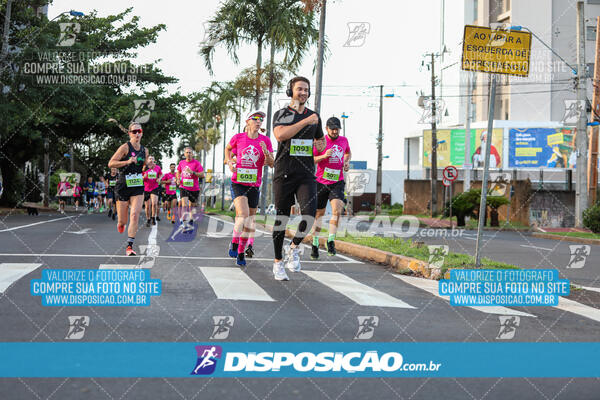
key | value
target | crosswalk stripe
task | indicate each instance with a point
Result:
(356, 291)
(431, 286)
(593, 289)
(12, 272)
(578, 308)
(119, 266)
(233, 284)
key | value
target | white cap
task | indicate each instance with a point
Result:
(254, 113)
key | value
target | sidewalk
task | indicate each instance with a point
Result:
(437, 223)
(583, 230)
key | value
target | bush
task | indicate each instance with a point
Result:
(591, 218)
(463, 205)
(495, 202)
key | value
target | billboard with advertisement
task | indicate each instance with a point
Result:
(452, 151)
(541, 148)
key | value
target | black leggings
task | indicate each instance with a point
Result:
(305, 190)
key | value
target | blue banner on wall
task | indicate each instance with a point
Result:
(541, 148)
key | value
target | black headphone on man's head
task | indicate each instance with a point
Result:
(290, 85)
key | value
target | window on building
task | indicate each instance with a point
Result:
(593, 1)
(590, 32)
(475, 9)
(505, 5)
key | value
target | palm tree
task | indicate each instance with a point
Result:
(226, 99)
(281, 23)
(311, 6)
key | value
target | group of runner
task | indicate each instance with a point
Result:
(301, 144)
(138, 182)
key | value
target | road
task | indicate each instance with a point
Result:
(199, 282)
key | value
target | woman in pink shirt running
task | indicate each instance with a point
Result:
(251, 151)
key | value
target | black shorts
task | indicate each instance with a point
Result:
(251, 192)
(170, 197)
(124, 193)
(190, 194)
(329, 192)
(89, 197)
(147, 194)
(110, 194)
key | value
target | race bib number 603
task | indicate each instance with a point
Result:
(247, 175)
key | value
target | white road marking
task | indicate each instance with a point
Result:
(593, 289)
(148, 254)
(431, 286)
(14, 228)
(119, 266)
(233, 284)
(12, 272)
(361, 294)
(348, 259)
(536, 247)
(81, 232)
(165, 257)
(578, 308)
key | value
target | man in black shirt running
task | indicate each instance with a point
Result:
(297, 129)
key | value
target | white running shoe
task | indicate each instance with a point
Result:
(292, 259)
(279, 272)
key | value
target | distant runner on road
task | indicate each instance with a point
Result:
(129, 191)
(189, 173)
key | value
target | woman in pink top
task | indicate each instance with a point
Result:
(251, 151)
(189, 174)
(62, 193)
(151, 177)
(170, 181)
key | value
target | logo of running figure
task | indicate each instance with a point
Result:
(221, 327)
(211, 34)
(68, 33)
(498, 183)
(337, 154)
(357, 34)
(573, 109)
(250, 156)
(579, 255)
(77, 325)
(366, 327)
(357, 182)
(508, 326)
(427, 116)
(498, 34)
(437, 254)
(207, 359)
(143, 109)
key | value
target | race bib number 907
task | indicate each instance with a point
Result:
(331, 174)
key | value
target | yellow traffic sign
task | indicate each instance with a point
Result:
(496, 51)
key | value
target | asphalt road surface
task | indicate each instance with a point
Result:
(322, 303)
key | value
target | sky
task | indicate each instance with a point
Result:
(399, 34)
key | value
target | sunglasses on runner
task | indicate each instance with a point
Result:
(256, 118)
(135, 131)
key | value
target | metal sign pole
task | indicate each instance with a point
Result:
(486, 166)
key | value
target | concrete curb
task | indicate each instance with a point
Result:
(398, 262)
(566, 238)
